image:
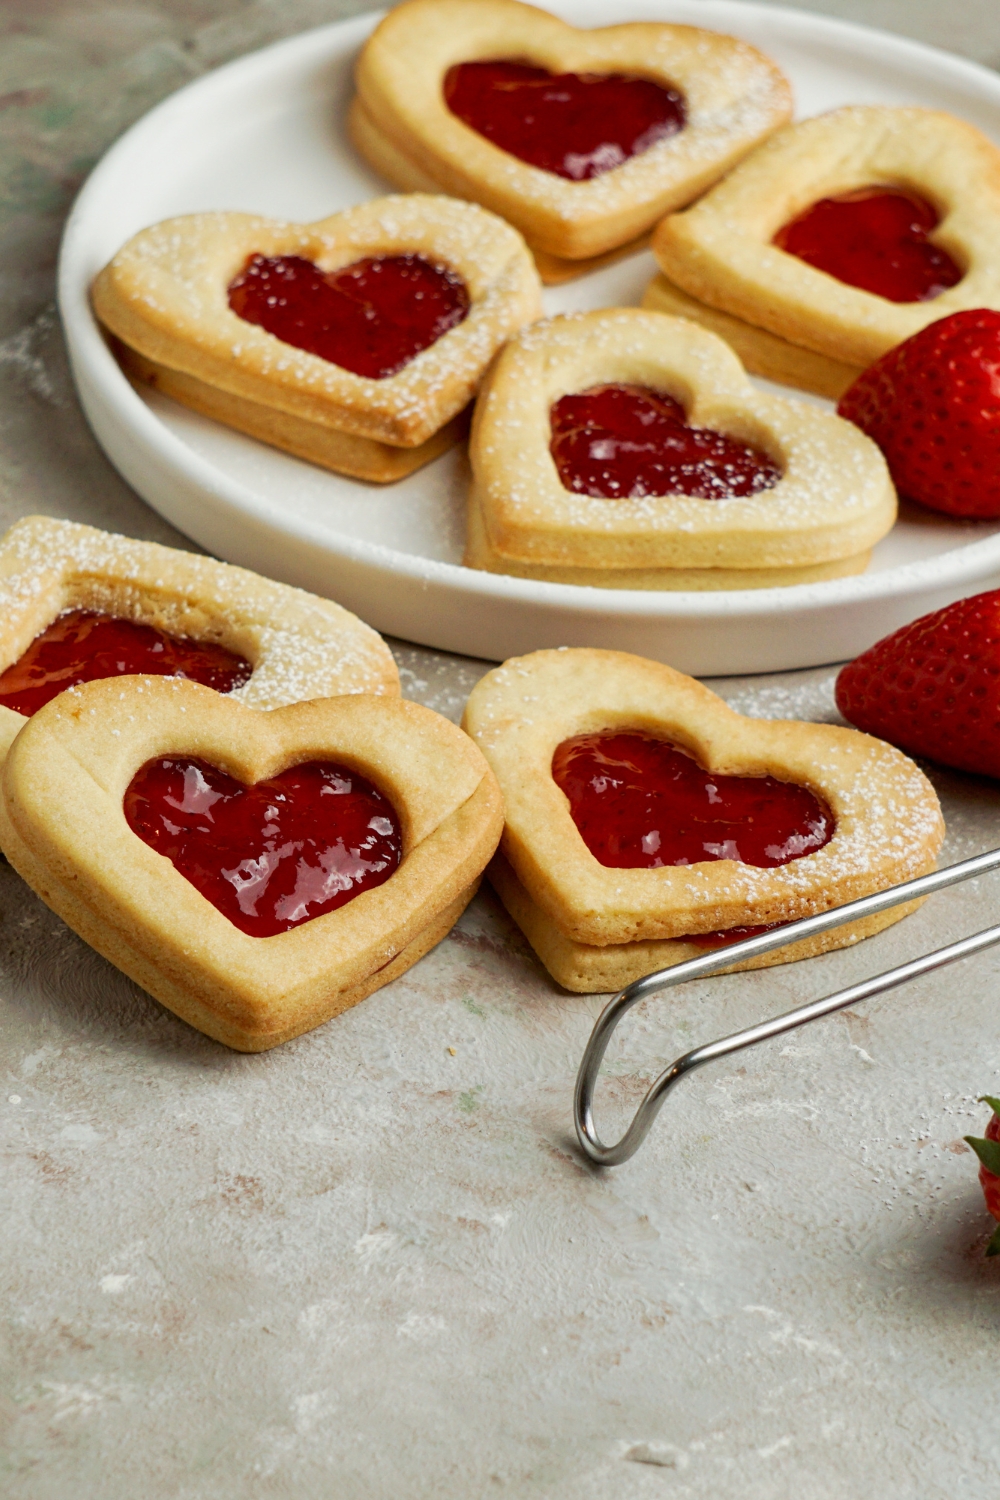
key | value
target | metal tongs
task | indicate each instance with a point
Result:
(698, 968)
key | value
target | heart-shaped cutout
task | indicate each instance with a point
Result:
(874, 238)
(739, 248)
(271, 855)
(83, 645)
(685, 105)
(851, 815)
(624, 442)
(78, 604)
(65, 827)
(371, 317)
(639, 804)
(577, 125)
(792, 487)
(242, 318)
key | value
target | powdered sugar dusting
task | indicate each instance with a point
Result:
(734, 96)
(744, 103)
(300, 646)
(173, 278)
(834, 498)
(442, 683)
(888, 823)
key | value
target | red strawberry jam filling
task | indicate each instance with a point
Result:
(576, 125)
(875, 239)
(626, 441)
(273, 855)
(729, 935)
(371, 317)
(83, 645)
(639, 803)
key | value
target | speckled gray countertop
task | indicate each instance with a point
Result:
(362, 1267)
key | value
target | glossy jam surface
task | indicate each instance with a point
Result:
(641, 804)
(269, 856)
(82, 646)
(625, 441)
(875, 239)
(371, 317)
(576, 125)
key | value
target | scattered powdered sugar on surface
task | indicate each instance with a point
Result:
(799, 695)
(438, 682)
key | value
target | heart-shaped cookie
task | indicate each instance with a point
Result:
(817, 495)
(842, 815)
(676, 107)
(801, 189)
(242, 318)
(289, 645)
(65, 826)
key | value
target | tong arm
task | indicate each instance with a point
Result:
(698, 968)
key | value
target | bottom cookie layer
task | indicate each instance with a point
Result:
(396, 167)
(553, 270)
(479, 554)
(589, 970)
(762, 353)
(343, 452)
(184, 1001)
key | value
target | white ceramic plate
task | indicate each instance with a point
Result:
(265, 134)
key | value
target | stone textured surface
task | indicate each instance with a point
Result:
(363, 1266)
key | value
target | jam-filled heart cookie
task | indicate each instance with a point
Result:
(845, 234)
(78, 604)
(256, 872)
(355, 342)
(629, 449)
(646, 820)
(583, 139)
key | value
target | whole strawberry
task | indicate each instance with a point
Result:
(932, 404)
(988, 1151)
(933, 688)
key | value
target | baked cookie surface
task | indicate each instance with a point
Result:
(381, 153)
(733, 97)
(829, 497)
(479, 553)
(63, 827)
(598, 926)
(760, 352)
(298, 645)
(722, 251)
(588, 969)
(166, 297)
